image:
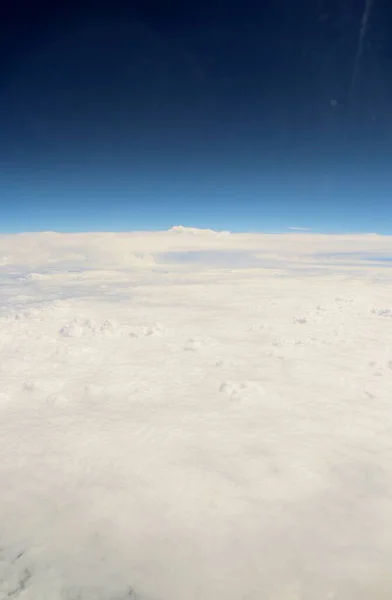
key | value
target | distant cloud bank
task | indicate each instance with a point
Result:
(196, 231)
(298, 228)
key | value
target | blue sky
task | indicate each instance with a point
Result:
(210, 114)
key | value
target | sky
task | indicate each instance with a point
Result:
(248, 115)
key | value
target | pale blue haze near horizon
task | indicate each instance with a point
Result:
(235, 200)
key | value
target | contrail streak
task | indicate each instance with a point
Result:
(361, 40)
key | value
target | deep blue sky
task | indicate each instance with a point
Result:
(234, 115)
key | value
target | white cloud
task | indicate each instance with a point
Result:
(143, 249)
(165, 425)
(195, 231)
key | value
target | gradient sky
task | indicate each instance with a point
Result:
(236, 115)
